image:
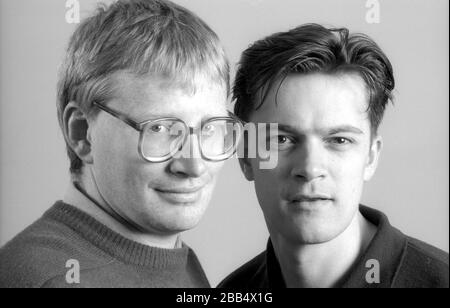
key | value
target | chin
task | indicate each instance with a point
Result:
(311, 238)
(186, 222)
(181, 220)
(311, 232)
(170, 227)
(175, 228)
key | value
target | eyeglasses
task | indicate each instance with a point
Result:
(161, 139)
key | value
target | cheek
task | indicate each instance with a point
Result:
(350, 162)
(117, 158)
(348, 175)
(272, 179)
(268, 185)
(114, 143)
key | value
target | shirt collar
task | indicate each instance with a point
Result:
(386, 248)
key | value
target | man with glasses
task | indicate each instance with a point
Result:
(142, 105)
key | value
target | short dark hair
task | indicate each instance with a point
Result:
(141, 37)
(312, 48)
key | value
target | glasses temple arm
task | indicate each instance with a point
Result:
(119, 116)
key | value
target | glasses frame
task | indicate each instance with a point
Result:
(139, 126)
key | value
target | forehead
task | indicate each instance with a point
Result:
(154, 96)
(316, 101)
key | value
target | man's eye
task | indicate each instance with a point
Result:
(281, 141)
(158, 128)
(340, 140)
(208, 129)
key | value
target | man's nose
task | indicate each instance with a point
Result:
(189, 162)
(309, 162)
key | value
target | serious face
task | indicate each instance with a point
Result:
(165, 197)
(325, 153)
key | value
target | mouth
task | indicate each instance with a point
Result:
(310, 198)
(303, 201)
(180, 195)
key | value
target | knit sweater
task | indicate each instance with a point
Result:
(68, 248)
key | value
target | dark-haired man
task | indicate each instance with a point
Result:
(327, 90)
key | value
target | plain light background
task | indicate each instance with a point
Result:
(410, 186)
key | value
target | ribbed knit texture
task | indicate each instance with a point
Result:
(37, 257)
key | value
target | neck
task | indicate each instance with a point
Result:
(322, 265)
(84, 195)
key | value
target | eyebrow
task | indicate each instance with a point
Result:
(345, 129)
(156, 116)
(330, 131)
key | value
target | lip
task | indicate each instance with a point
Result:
(180, 194)
(180, 190)
(308, 202)
(309, 198)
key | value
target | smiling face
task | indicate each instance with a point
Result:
(160, 198)
(325, 154)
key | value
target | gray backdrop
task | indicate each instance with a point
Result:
(411, 184)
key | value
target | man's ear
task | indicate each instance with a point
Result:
(246, 168)
(372, 159)
(77, 133)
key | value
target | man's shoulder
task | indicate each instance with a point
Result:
(423, 265)
(248, 275)
(31, 257)
(38, 254)
(436, 255)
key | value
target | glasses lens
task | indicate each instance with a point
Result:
(218, 138)
(162, 138)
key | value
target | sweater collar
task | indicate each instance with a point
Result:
(113, 243)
